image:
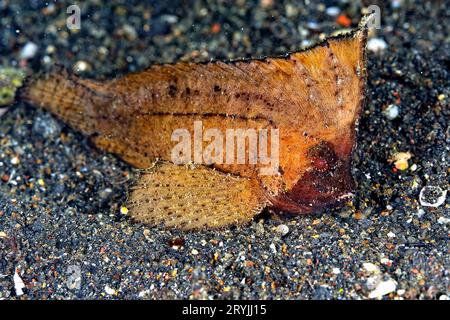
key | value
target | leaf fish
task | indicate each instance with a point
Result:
(313, 98)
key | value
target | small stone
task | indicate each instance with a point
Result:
(400, 160)
(322, 293)
(391, 235)
(50, 49)
(441, 97)
(443, 297)
(129, 31)
(392, 111)
(73, 277)
(123, 210)
(105, 193)
(282, 229)
(291, 10)
(28, 51)
(15, 160)
(313, 25)
(3, 235)
(420, 213)
(215, 28)
(358, 215)
(143, 293)
(332, 11)
(432, 196)
(259, 228)
(110, 290)
(376, 45)
(176, 243)
(383, 288)
(18, 284)
(46, 126)
(344, 21)
(401, 292)
(336, 270)
(401, 164)
(146, 232)
(266, 3)
(273, 248)
(443, 220)
(370, 267)
(396, 4)
(194, 252)
(81, 66)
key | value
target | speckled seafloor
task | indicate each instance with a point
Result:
(60, 197)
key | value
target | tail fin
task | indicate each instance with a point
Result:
(73, 100)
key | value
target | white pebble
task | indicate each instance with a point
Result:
(169, 18)
(336, 270)
(401, 292)
(144, 293)
(273, 248)
(18, 284)
(129, 31)
(28, 51)
(110, 290)
(392, 112)
(332, 11)
(443, 220)
(305, 43)
(420, 213)
(81, 66)
(383, 288)
(370, 267)
(46, 60)
(441, 195)
(312, 25)
(376, 44)
(396, 3)
(391, 235)
(282, 229)
(15, 160)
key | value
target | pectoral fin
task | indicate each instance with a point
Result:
(194, 198)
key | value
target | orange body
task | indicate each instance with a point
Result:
(313, 97)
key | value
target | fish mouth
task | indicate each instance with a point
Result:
(285, 203)
(326, 183)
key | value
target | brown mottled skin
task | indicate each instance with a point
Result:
(313, 97)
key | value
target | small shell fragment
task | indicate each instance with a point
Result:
(432, 196)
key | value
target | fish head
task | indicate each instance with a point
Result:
(326, 182)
